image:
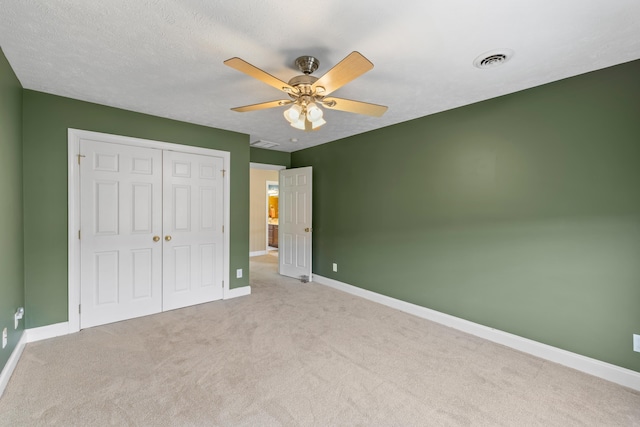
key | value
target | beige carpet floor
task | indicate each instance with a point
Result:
(297, 354)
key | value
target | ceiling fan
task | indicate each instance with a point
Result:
(307, 92)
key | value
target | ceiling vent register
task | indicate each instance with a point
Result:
(264, 144)
(494, 58)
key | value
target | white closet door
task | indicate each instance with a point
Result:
(121, 212)
(193, 235)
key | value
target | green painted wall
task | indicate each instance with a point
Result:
(521, 213)
(45, 122)
(11, 243)
(270, 157)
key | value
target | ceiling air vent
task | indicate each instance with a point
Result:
(493, 58)
(264, 144)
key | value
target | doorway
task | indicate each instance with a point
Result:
(294, 218)
(263, 215)
(272, 208)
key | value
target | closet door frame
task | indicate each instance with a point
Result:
(73, 151)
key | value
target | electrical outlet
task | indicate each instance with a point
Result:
(239, 273)
(5, 336)
(636, 342)
(335, 267)
(16, 317)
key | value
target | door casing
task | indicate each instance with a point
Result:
(73, 151)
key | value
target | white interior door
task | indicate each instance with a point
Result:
(121, 212)
(193, 233)
(295, 223)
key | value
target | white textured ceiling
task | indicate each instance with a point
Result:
(165, 57)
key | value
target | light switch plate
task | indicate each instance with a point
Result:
(239, 273)
(636, 342)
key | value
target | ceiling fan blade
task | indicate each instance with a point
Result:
(351, 67)
(357, 107)
(263, 105)
(255, 72)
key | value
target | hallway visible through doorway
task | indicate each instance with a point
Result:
(264, 210)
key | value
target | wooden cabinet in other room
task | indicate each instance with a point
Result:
(273, 235)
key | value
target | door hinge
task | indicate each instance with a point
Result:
(223, 172)
(223, 228)
(78, 234)
(79, 308)
(80, 155)
(223, 284)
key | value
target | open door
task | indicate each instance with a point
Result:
(295, 223)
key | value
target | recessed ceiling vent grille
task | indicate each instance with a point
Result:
(264, 144)
(493, 58)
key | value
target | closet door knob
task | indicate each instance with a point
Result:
(167, 238)
(156, 238)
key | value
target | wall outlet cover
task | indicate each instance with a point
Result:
(239, 273)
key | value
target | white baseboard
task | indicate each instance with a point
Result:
(29, 335)
(257, 253)
(237, 292)
(8, 369)
(49, 331)
(598, 368)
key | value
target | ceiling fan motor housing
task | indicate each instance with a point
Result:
(307, 64)
(303, 84)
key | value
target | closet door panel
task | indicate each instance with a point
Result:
(120, 213)
(193, 235)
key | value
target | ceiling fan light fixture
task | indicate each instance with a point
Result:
(293, 114)
(298, 124)
(315, 125)
(314, 113)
